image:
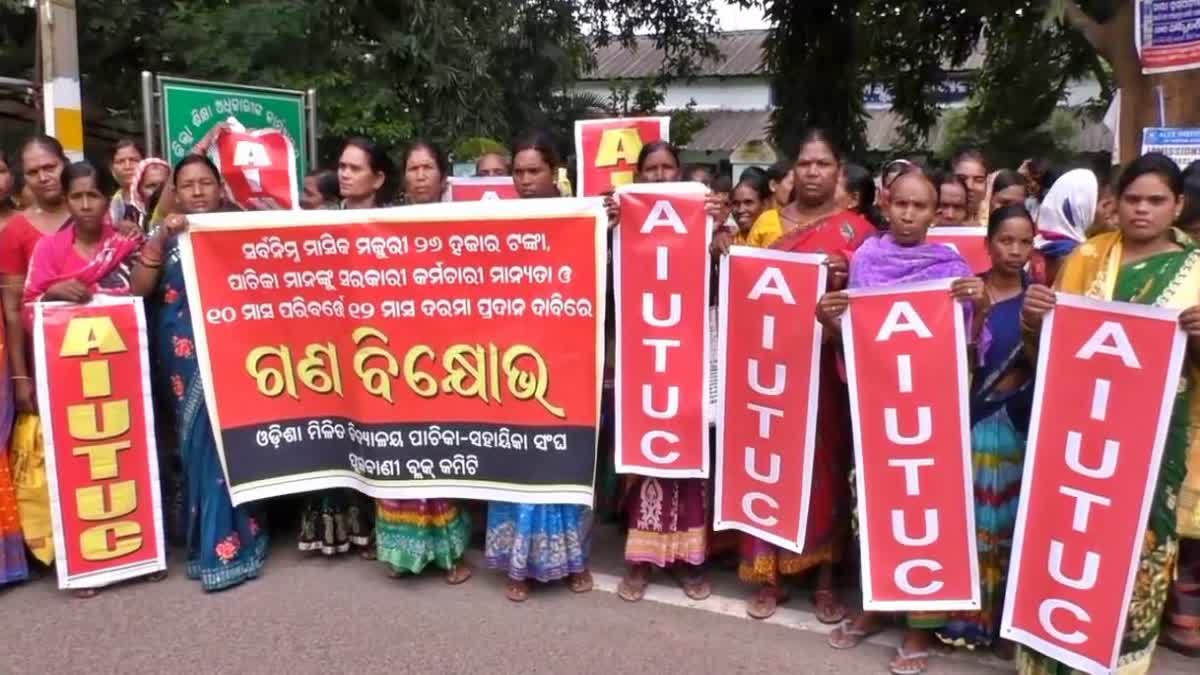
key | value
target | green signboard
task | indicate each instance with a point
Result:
(191, 107)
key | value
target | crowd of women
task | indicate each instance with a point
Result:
(1124, 238)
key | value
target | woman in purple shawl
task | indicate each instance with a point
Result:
(901, 256)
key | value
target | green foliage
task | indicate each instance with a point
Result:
(823, 53)
(471, 149)
(387, 69)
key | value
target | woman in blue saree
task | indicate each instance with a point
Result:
(226, 545)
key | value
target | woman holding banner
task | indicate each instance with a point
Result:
(43, 162)
(333, 520)
(898, 256)
(816, 223)
(87, 257)
(1147, 262)
(13, 566)
(667, 517)
(412, 533)
(543, 542)
(1001, 401)
(226, 545)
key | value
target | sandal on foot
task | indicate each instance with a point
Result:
(157, 576)
(693, 583)
(829, 611)
(459, 574)
(85, 593)
(633, 585)
(849, 636)
(762, 605)
(909, 663)
(517, 591)
(580, 583)
(368, 554)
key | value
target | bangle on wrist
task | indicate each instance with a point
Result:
(21, 377)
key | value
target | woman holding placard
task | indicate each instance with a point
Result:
(413, 533)
(667, 517)
(1147, 262)
(542, 542)
(226, 545)
(898, 256)
(816, 222)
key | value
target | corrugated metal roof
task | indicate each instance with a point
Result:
(741, 54)
(728, 129)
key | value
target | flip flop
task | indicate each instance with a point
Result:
(762, 604)
(85, 593)
(908, 663)
(157, 576)
(580, 583)
(517, 591)
(829, 611)
(633, 588)
(459, 574)
(846, 636)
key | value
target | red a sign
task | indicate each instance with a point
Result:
(969, 242)
(1108, 374)
(259, 168)
(769, 390)
(482, 188)
(93, 376)
(606, 151)
(661, 277)
(906, 364)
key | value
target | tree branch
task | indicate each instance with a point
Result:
(1092, 30)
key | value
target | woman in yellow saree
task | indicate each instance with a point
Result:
(1147, 262)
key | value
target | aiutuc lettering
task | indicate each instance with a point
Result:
(101, 425)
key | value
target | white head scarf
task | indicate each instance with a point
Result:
(1069, 207)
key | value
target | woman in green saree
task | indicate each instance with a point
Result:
(1146, 262)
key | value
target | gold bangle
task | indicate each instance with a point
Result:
(21, 377)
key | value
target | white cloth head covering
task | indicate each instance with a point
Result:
(1069, 207)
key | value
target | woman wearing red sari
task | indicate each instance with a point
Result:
(814, 222)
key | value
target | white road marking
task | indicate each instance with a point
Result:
(794, 619)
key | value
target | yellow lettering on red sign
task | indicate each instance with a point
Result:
(101, 421)
(91, 332)
(126, 537)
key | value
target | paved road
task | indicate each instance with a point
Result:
(308, 615)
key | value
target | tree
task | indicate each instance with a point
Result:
(388, 69)
(1110, 33)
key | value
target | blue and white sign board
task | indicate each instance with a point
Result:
(1181, 145)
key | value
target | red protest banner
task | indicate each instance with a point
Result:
(969, 242)
(661, 276)
(93, 374)
(767, 422)
(606, 151)
(259, 167)
(1108, 374)
(482, 188)
(445, 350)
(912, 447)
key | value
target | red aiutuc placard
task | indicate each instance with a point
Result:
(606, 151)
(98, 427)
(483, 188)
(907, 370)
(661, 280)
(445, 350)
(1108, 374)
(969, 242)
(259, 167)
(769, 355)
